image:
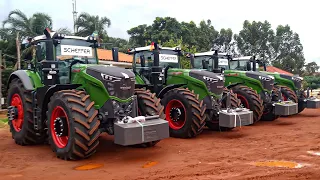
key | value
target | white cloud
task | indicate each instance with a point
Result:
(125, 14)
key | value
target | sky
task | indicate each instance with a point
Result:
(125, 14)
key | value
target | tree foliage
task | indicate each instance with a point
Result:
(86, 24)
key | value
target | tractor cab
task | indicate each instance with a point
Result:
(211, 61)
(54, 54)
(151, 63)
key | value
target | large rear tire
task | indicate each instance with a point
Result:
(73, 126)
(185, 113)
(250, 100)
(22, 127)
(149, 105)
(235, 103)
(268, 114)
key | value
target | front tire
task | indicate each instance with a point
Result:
(73, 126)
(250, 100)
(302, 104)
(185, 113)
(149, 105)
(235, 103)
(22, 127)
(268, 115)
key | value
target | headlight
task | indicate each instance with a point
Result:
(210, 79)
(271, 77)
(297, 78)
(265, 78)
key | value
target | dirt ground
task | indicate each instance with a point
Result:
(212, 155)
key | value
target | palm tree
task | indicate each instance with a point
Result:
(86, 24)
(65, 31)
(17, 21)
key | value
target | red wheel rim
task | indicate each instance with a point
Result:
(16, 101)
(284, 97)
(244, 101)
(175, 105)
(60, 141)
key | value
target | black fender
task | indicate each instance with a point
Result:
(168, 88)
(233, 85)
(23, 76)
(141, 86)
(44, 94)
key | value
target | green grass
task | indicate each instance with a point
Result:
(3, 122)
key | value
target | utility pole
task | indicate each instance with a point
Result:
(0, 79)
(18, 51)
(74, 12)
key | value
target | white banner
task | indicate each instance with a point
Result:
(223, 62)
(168, 58)
(76, 50)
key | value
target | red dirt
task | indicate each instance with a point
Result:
(212, 155)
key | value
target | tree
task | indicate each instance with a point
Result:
(255, 39)
(311, 68)
(86, 24)
(122, 44)
(65, 31)
(138, 35)
(205, 36)
(224, 41)
(288, 50)
(17, 21)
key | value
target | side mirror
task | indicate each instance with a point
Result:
(142, 61)
(115, 54)
(249, 66)
(38, 52)
(192, 60)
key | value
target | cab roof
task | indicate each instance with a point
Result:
(147, 48)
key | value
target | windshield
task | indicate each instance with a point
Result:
(198, 62)
(242, 65)
(75, 49)
(223, 63)
(167, 57)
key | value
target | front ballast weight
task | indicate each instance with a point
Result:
(231, 118)
(312, 102)
(285, 108)
(140, 129)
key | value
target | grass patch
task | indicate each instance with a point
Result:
(3, 122)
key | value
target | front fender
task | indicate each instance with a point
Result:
(23, 76)
(168, 88)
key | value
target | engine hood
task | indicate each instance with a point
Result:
(111, 71)
(255, 75)
(205, 73)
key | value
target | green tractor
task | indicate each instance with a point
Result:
(255, 90)
(291, 86)
(192, 98)
(64, 98)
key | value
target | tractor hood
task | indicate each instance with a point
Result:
(119, 82)
(205, 73)
(297, 80)
(213, 81)
(266, 80)
(112, 71)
